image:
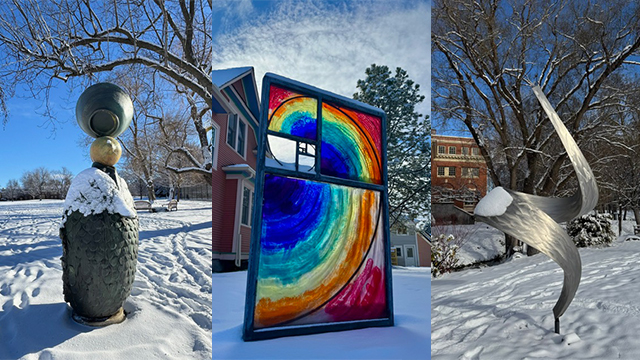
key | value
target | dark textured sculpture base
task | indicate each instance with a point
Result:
(99, 257)
(116, 318)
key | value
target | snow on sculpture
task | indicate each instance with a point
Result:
(534, 219)
(99, 228)
(320, 257)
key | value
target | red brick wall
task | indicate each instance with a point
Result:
(458, 161)
(225, 190)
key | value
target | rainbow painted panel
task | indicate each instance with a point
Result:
(321, 254)
(351, 144)
(292, 113)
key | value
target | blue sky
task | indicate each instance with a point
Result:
(328, 44)
(29, 141)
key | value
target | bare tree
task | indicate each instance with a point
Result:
(42, 42)
(36, 182)
(60, 181)
(486, 54)
(13, 189)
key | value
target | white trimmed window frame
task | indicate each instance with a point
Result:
(246, 185)
(237, 119)
(215, 141)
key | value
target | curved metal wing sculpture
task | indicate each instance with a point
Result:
(534, 219)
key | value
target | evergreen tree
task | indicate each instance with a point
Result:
(408, 148)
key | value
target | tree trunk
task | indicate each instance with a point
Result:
(619, 221)
(531, 250)
(151, 193)
(509, 242)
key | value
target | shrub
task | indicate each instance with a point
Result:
(591, 230)
(444, 254)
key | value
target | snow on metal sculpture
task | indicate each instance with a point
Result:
(320, 252)
(534, 219)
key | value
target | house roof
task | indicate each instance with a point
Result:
(219, 106)
(224, 77)
(239, 87)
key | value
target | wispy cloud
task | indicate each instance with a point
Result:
(330, 45)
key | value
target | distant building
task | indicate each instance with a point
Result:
(458, 178)
(235, 124)
(410, 248)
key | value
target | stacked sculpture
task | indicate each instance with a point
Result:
(99, 229)
(534, 219)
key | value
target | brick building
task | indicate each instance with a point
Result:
(235, 123)
(458, 177)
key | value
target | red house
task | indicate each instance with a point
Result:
(235, 123)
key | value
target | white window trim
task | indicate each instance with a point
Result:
(248, 185)
(216, 145)
(246, 131)
(401, 250)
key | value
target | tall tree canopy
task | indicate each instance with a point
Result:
(487, 54)
(408, 150)
(60, 40)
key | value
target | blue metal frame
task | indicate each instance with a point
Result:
(249, 333)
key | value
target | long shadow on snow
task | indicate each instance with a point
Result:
(148, 234)
(50, 252)
(501, 313)
(35, 328)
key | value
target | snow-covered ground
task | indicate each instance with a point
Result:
(505, 311)
(408, 339)
(479, 241)
(169, 307)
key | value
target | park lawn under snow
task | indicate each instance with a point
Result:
(169, 310)
(480, 241)
(408, 339)
(505, 311)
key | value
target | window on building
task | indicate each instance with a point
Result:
(410, 252)
(475, 151)
(452, 150)
(246, 206)
(237, 134)
(470, 172)
(465, 151)
(399, 252)
(441, 149)
(232, 130)
(242, 127)
(452, 171)
(440, 170)
(214, 145)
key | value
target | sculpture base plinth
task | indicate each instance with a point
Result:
(116, 318)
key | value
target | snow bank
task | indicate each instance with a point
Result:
(169, 310)
(505, 311)
(93, 192)
(495, 203)
(286, 165)
(408, 339)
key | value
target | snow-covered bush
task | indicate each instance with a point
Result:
(591, 230)
(444, 254)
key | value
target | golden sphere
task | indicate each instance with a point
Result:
(105, 150)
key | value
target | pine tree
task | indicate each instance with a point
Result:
(408, 148)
